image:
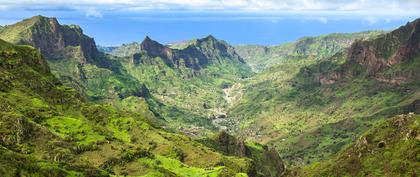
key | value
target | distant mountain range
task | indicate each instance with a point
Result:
(262, 57)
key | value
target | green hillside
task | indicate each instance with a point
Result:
(187, 81)
(310, 109)
(262, 57)
(74, 59)
(390, 148)
(319, 106)
(49, 129)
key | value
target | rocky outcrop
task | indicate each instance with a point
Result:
(51, 38)
(372, 58)
(196, 55)
(267, 161)
(74, 58)
(231, 145)
(387, 50)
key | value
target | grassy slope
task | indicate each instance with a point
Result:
(186, 97)
(48, 128)
(99, 77)
(263, 57)
(307, 122)
(390, 148)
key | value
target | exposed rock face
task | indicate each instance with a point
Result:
(262, 57)
(197, 55)
(387, 50)
(230, 145)
(51, 38)
(373, 57)
(74, 58)
(267, 161)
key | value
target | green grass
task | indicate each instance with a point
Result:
(288, 110)
(397, 156)
(42, 120)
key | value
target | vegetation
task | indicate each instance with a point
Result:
(263, 57)
(47, 127)
(147, 109)
(310, 109)
(390, 148)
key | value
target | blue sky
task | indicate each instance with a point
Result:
(267, 22)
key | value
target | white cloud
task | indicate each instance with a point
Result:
(350, 7)
(93, 12)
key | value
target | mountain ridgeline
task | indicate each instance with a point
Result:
(51, 38)
(262, 57)
(392, 58)
(206, 64)
(74, 58)
(332, 105)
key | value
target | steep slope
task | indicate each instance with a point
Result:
(390, 58)
(74, 58)
(50, 37)
(262, 57)
(187, 81)
(310, 109)
(388, 149)
(47, 129)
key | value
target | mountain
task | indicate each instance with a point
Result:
(310, 109)
(262, 57)
(392, 58)
(49, 129)
(51, 38)
(196, 54)
(387, 149)
(187, 81)
(74, 58)
(151, 71)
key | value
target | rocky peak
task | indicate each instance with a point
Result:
(152, 47)
(155, 49)
(197, 55)
(50, 37)
(217, 51)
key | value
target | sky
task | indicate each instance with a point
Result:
(265, 22)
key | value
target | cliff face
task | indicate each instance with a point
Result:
(387, 50)
(74, 58)
(390, 58)
(267, 162)
(50, 37)
(196, 55)
(320, 47)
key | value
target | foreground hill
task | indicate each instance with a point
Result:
(262, 57)
(310, 109)
(389, 149)
(48, 129)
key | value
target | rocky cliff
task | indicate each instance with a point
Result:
(262, 57)
(74, 58)
(51, 38)
(196, 55)
(391, 58)
(267, 162)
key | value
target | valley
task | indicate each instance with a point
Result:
(329, 105)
